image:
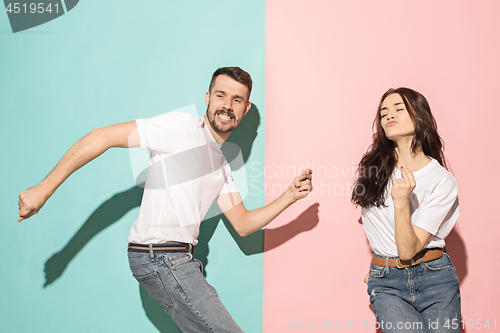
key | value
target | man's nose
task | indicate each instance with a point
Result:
(228, 104)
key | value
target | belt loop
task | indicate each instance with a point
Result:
(386, 264)
(151, 254)
(421, 260)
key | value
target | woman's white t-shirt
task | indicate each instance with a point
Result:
(433, 207)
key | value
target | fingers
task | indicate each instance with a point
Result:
(21, 209)
(21, 218)
(26, 209)
(25, 212)
(304, 186)
(30, 214)
(24, 216)
(306, 174)
(402, 188)
(304, 181)
(407, 181)
(301, 193)
(301, 185)
(407, 175)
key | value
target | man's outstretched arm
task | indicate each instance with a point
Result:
(246, 222)
(124, 135)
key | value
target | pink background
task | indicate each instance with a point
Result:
(327, 65)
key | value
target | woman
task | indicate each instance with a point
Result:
(409, 205)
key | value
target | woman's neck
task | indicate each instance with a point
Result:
(413, 161)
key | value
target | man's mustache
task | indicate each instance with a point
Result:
(228, 113)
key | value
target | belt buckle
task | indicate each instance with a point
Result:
(190, 248)
(411, 261)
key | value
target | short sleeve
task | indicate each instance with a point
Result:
(439, 210)
(165, 133)
(229, 185)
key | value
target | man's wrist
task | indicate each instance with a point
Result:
(289, 196)
(46, 189)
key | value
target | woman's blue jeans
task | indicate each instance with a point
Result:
(421, 298)
(175, 281)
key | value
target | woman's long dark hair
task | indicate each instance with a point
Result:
(378, 163)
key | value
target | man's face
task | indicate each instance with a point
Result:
(227, 103)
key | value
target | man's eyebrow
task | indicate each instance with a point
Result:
(224, 93)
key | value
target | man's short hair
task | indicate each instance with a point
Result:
(234, 73)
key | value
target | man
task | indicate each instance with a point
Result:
(187, 172)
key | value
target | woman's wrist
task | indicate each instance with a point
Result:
(401, 204)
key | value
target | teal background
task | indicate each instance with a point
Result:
(106, 62)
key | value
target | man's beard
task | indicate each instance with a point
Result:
(228, 127)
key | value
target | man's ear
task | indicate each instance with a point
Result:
(207, 98)
(247, 107)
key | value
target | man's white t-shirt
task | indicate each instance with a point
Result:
(433, 207)
(186, 173)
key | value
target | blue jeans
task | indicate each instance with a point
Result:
(175, 281)
(421, 298)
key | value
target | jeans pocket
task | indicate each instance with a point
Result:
(155, 288)
(146, 273)
(376, 272)
(439, 264)
(136, 260)
(178, 259)
(200, 264)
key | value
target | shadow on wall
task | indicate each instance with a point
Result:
(457, 251)
(304, 222)
(119, 204)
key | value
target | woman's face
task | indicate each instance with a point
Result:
(394, 118)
